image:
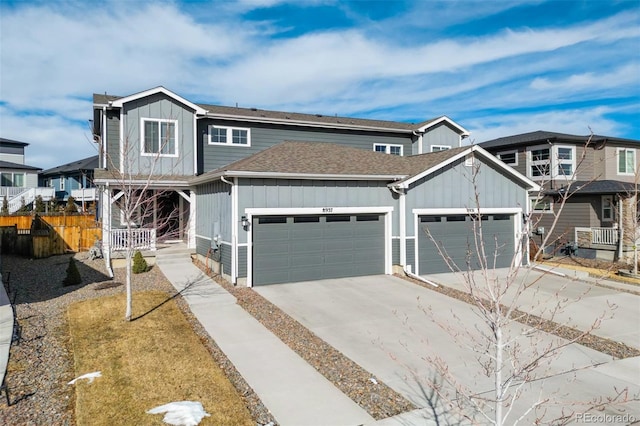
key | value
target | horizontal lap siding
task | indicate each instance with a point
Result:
(264, 136)
(578, 211)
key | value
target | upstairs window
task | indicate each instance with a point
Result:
(388, 148)
(438, 148)
(61, 183)
(551, 162)
(159, 137)
(626, 161)
(235, 136)
(510, 158)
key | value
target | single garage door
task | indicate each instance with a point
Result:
(455, 235)
(314, 247)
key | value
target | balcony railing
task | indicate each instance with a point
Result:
(141, 239)
(86, 194)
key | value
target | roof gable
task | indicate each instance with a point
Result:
(118, 103)
(426, 125)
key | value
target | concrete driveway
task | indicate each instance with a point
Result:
(396, 330)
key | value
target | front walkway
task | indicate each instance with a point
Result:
(293, 391)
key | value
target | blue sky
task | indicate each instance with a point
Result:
(496, 67)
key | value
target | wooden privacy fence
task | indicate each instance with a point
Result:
(46, 235)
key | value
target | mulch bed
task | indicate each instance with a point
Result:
(379, 400)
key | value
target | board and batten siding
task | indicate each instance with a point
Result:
(159, 106)
(263, 136)
(451, 187)
(113, 140)
(213, 210)
(440, 135)
(297, 193)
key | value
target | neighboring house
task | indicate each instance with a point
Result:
(277, 197)
(600, 173)
(72, 179)
(18, 181)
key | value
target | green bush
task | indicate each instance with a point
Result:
(73, 275)
(139, 264)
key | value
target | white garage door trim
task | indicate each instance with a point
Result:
(385, 210)
(466, 211)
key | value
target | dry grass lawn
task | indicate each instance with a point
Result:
(145, 363)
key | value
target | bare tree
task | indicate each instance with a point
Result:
(145, 208)
(514, 349)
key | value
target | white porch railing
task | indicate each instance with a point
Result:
(141, 239)
(86, 194)
(10, 191)
(602, 236)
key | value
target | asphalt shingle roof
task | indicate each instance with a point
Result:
(599, 187)
(318, 158)
(16, 166)
(12, 142)
(256, 113)
(88, 163)
(544, 136)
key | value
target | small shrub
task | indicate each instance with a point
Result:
(73, 275)
(71, 206)
(139, 264)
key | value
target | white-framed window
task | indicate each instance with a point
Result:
(510, 158)
(626, 161)
(159, 137)
(234, 136)
(12, 179)
(551, 162)
(607, 208)
(61, 183)
(438, 148)
(541, 205)
(388, 148)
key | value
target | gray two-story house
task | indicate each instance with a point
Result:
(597, 176)
(270, 197)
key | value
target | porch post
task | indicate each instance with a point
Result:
(191, 242)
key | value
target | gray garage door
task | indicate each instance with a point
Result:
(314, 247)
(455, 234)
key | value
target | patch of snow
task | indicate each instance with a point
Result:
(374, 381)
(181, 413)
(88, 376)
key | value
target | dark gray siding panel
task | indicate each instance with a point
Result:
(264, 136)
(242, 261)
(578, 211)
(451, 187)
(202, 246)
(225, 258)
(113, 139)
(290, 193)
(411, 253)
(395, 251)
(440, 135)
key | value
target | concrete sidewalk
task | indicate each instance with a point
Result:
(293, 391)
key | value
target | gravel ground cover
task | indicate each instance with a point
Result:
(379, 400)
(41, 362)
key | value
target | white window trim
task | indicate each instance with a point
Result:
(440, 148)
(631, 150)
(498, 154)
(142, 140)
(611, 207)
(554, 161)
(534, 200)
(13, 179)
(387, 148)
(61, 183)
(229, 130)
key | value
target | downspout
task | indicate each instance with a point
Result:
(419, 135)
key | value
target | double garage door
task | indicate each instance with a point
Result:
(314, 247)
(454, 234)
